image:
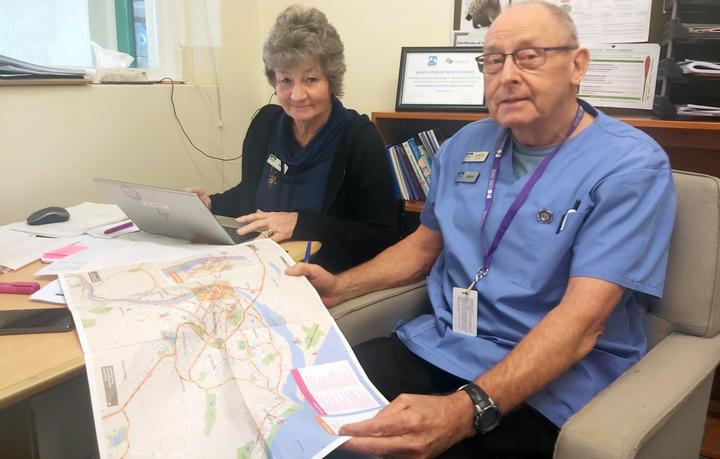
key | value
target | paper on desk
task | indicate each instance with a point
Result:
(132, 249)
(82, 218)
(51, 293)
(19, 249)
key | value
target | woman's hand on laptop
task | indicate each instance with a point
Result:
(198, 190)
(276, 225)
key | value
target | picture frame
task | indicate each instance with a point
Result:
(440, 79)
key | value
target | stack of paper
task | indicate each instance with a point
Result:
(698, 110)
(15, 69)
(700, 68)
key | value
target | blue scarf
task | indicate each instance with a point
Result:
(294, 177)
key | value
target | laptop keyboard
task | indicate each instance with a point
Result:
(232, 232)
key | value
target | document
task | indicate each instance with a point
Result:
(11, 68)
(621, 75)
(19, 249)
(216, 355)
(83, 217)
(700, 68)
(131, 249)
(597, 21)
(472, 19)
(609, 21)
(699, 110)
(437, 78)
(51, 293)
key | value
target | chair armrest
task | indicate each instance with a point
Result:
(656, 409)
(374, 315)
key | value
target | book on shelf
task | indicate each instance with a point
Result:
(411, 180)
(411, 164)
(400, 187)
(418, 173)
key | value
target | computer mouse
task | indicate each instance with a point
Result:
(48, 215)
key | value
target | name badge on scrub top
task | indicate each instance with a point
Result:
(476, 157)
(467, 176)
(275, 162)
(464, 314)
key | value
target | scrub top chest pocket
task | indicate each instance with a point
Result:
(543, 236)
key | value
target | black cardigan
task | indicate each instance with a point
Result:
(360, 214)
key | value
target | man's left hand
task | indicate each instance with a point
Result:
(277, 225)
(414, 426)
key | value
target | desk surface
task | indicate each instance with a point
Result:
(32, 363)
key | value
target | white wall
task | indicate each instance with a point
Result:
(55, 139)
(373, 31)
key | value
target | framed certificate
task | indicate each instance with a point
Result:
(440, 79)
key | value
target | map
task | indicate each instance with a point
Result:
(218, 355)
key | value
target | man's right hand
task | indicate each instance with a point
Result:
(325, 283)
(198, 190)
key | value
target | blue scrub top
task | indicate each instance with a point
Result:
(620, 233)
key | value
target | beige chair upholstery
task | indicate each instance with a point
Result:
(656, 409)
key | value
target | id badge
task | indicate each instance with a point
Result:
(275, 162)
(465, 305)
(476, 157)
(467, 176)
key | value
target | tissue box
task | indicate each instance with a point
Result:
(119, 75)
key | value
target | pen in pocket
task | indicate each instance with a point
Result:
(564, 218)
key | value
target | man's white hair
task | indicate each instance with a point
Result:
(561, 17)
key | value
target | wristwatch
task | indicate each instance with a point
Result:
(487, 414)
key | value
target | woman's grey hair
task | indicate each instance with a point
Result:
(303, 33)
(563, 19)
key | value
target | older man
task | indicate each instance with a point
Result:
(544, 228)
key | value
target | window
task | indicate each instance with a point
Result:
(59, 32)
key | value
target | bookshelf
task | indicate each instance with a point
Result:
(691, 145)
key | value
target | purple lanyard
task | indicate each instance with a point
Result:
(519, 199)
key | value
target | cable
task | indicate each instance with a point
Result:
(214, 65)
(172, 102)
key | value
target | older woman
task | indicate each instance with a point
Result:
(312, 169)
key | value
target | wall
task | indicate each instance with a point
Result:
(55, 139)
(373, 31)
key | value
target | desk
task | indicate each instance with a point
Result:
(32, 363)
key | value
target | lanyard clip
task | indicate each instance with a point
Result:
(478, 275)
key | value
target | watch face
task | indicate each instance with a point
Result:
(487, 415)
(488, 420)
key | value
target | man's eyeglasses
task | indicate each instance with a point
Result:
(526, 58)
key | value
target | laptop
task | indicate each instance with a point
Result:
(172, 213)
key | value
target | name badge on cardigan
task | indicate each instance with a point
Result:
(467, 176)
(275, 162)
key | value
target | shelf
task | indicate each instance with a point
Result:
(677, 30)
(641, 122)
(691, 145)
(668, 4)
(414, 206)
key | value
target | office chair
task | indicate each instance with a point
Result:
(656, 409)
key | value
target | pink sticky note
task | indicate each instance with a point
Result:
(63, 252)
